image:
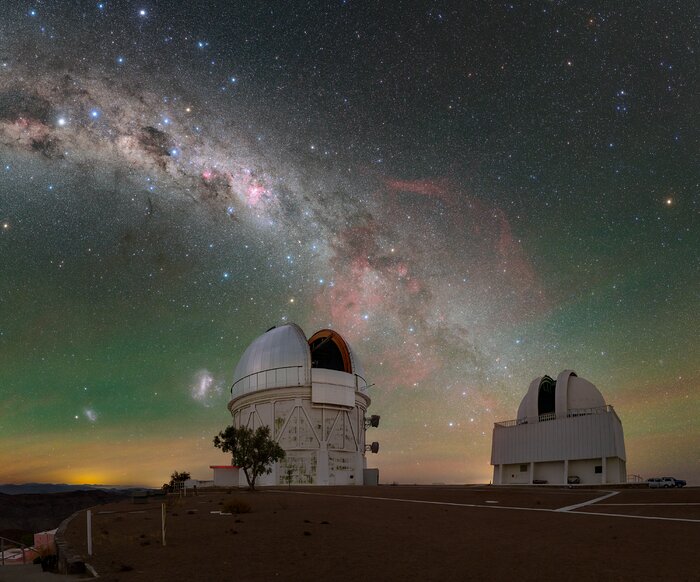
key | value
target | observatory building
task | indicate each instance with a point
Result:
(313, 396)
(564, 433)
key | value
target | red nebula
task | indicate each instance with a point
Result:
(487, 228)
(255, 193)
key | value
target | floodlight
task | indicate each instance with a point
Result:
(372, 421)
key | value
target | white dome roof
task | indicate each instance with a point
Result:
(583, 394)
(569, 392)
(282, 353)
(282, 357)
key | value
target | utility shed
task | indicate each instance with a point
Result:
(225, 475)
(565, 433)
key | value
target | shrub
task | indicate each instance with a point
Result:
(237, 506)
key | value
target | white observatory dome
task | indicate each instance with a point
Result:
(283, 357)
(567, 393)
(312, 395)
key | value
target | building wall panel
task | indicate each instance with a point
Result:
(551, 471)
(324, 445)
(514, 476)
(227, 477)
(581, 437)
(585, 470)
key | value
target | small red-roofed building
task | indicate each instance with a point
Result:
(225, 475)
(44, 540)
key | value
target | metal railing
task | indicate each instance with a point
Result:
(574, 412)
(6, 545)
(237, 389)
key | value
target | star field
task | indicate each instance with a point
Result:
(473, 195)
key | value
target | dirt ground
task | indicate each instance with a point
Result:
(33, 573)
(400, 533)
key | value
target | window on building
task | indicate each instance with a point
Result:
(599, 468)
(523, 468)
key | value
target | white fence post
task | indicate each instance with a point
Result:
(89, 532)
(162, 519)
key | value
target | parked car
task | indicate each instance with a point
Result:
(573, 479)
(677, 482)
(661, 482)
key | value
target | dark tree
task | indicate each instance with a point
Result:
(177, 477)
(251, 450)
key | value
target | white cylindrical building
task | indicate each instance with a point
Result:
(313, 396)
(565, 433)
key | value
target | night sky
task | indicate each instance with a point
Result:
(472, 193)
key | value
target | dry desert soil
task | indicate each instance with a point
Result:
(400, 533)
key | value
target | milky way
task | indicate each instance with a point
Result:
(472, 196)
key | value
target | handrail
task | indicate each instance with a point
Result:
(356, 376)
(574, 412)
(357, 384)
(14, 545)
(262, 372)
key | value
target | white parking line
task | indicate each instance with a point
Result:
(634, 516)
(420, 501)
(589, 502)
(631, 504)
(562, 510)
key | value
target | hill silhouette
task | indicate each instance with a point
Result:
(26, 513)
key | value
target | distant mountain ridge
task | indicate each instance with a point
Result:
(27, 513)
(42, 488)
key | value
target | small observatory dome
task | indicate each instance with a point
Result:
(565, 434)
(283, 357)
(568, 392)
